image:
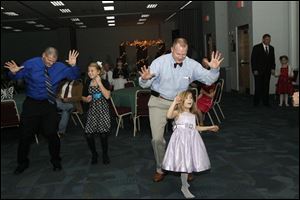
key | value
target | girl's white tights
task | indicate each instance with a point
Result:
(185, 186)
(286, 96)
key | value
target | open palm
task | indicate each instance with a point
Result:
(13, 67)
(215, 60)
(145, 73)
(72, 57)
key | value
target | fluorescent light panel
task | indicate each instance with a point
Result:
(111, 24)
(7, 27)
(11, 13)
(46, 29)
(57, 3)
(185, 5)
(2, 8)
(75, 19)
(111, 21)
(84, 26)
(145, 15)
(140, 23)
(40, 25)
(79, 23)
(142, 20)
(170, 16)
(110, 17)
(151, 5)
(65, 10)
(30, 22)
(17, 30)
(106, 8)
(107, 2)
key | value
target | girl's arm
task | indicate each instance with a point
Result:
(172, 113)
(105, 92)
(213, 128)
(86, 99)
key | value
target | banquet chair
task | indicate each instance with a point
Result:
(141, 108)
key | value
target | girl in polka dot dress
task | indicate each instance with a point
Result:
(98, 116)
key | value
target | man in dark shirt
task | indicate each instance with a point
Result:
(42, 76)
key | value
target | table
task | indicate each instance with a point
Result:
(126, 97)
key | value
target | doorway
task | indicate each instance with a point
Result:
(243, 59)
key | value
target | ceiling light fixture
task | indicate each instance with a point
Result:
(140, 23)
(111, 21)
(30, 22)
(79, 23)
(40, 25)
(142, 20)
(145, 15)
(11, 13)
(7, 27)
(65, 10)
(170, 16)
(110, 17)
(75, 19)
(111, 24)
(57, 3)
(185, 5)
(152, 5)
(46, 29)
(17, 30)
(106, 8)
(107, 2)
(82, 26)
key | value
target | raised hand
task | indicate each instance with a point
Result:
(13, 67)
(145, 73)
(215, 60)
(72, 57)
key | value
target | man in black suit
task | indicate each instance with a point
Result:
(263, 65)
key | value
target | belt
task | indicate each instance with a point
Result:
(186, 125)
(156, 94)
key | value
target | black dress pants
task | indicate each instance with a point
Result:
(38, 116)
(261, 91)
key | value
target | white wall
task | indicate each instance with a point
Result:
(272, 18)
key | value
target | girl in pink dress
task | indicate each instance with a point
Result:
(284, 85)
(186, 152)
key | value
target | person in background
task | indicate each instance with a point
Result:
(42, 76)
(108, 75)
(120, 75)
(284, 86)
(263, 65)
(68, 100)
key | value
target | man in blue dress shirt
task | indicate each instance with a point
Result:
(42, 76)
(167, 76)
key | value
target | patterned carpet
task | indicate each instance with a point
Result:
(254, 155)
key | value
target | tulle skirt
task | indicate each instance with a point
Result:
(186, 152)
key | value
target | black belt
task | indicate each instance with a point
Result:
(156, 94)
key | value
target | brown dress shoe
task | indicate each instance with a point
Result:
(190, 177)
(158, 177)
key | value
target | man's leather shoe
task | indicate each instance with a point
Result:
(21, 168)
(190, 177)
(158, 177)
(57, 166)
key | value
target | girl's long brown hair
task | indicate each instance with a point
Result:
(180, 107)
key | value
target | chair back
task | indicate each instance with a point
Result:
(219, 90)
(194, 92)
(141, 102)
(129, 84)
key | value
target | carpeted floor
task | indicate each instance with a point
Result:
(254, 155)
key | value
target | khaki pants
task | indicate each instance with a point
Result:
(158, 108)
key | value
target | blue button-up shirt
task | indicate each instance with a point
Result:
(33, 74)
(170, 81)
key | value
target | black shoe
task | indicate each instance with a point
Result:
(57, 166)
(105, 158)
(60, 135)
(94, 159)
(21, 168)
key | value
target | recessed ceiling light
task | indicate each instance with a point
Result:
(7, 27)
(107, 1)
(75, 19)
(111, 24)
(17, 30)
(110, 17)
(40, 25)
(65, 10)
(142, 20)
(140, 23)
(2, 8)
(106, 8)
(151, 5)
(145, 15)
(111, 21)
(11, 13)
(84, 26)
(57, 3)
(79, 23)
(30, 22)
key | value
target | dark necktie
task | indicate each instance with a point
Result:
(67, 90)
(180, 64)
(51, 94)
(267, 51)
